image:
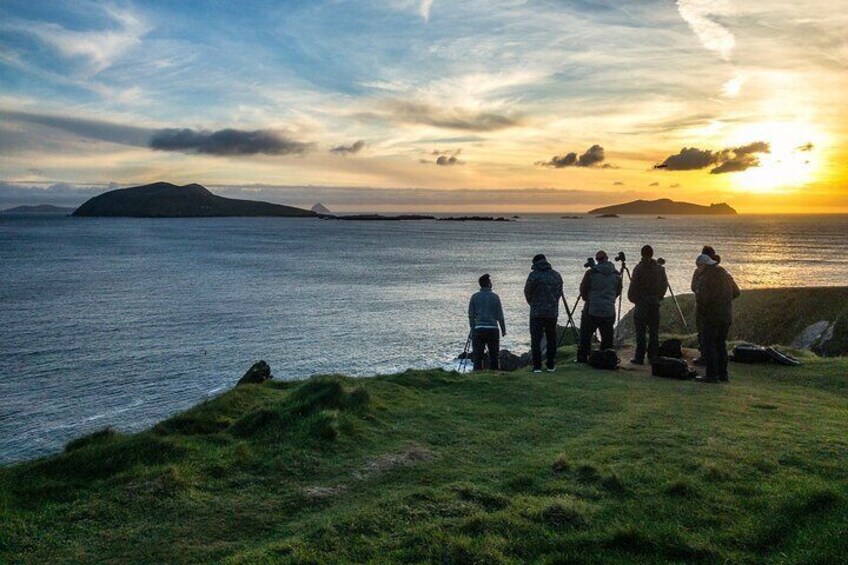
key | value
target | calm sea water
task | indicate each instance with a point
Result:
(122, 322)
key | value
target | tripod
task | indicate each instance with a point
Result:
(570, 320)
(462, 363)
(661, 261)
(624, 269)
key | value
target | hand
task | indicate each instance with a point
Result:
(503, 333)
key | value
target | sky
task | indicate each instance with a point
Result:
(429, 105)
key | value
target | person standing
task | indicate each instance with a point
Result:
(542, 291)
(646, 291)
(714, 295)
(485, 314)
(600, 286)
(710, 252)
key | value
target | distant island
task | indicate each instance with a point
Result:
(665, 206)
(166, 200)
(40, 209)
(413, 218)
(321, 209)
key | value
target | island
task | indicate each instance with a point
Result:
(38, 210)
(321, 209)
(665, 206)
(166, 200)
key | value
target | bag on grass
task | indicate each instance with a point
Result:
(604, 359)
(671, 348)
(671, 368)
(782, 358)
(750, 353)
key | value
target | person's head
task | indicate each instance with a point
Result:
(539, 257)
(647, 252)
(601, 256)
(705, 260)
(709, 251)
(485, 281)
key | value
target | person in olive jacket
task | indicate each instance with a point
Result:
(714, 294)
(543, 290)
(600, 286)
(647, 289)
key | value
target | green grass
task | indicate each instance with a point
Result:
(578, 466)
(770, 316)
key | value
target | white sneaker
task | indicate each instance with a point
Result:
(537, 370)
(552, 370)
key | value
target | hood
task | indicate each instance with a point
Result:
(605, 268)
(541, 266)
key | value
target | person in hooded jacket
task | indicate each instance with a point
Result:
(714, 295)
(646, 291)
(542, 291)
(696, 275)
(600, 286)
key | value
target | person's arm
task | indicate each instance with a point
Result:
(696, 275)
(529, 288)
(501, 320)
(632, 295)
(734, 286)
(585, 286)
(472, 315)
(663, 286)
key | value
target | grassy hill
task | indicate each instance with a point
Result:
(579, 466)
(766, 316)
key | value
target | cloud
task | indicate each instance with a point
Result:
(730, 160)
(99, 48)
(806, 147)
(346, 150)
(618, 183)
(446, 161)
(226, 142)
(593, 156)
(675, 185)
(424, 9)
(446, 117)
(93, 129)
(712, 35)
(654, 184)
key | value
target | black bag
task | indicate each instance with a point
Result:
(671, 368)
(604, 359)
(750, 353)
(671, 348)
(781, 358)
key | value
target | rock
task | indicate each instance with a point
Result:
(813, 334)
(257, 374)
(509, 361)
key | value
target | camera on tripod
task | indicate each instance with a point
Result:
(590, 262)
(621, 257)
(661, 261)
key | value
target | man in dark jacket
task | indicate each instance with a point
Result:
(543, 290)
(485, 314)
(600, 286)
(714, 295)
(710, 252)
(647, 289)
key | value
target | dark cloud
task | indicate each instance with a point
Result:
(92, 129)
(593, 156)
(730, 160)
(226, 142)
(444, 117)
(352, 149)
(654, 184)
(446, 161)
(618, 183)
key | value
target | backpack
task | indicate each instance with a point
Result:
(671, 368)
(604, 359)
(750, 353)
(671, 348)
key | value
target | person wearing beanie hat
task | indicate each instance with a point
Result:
(715, 291)
(647, 289)
(485, 314)
(542, 291)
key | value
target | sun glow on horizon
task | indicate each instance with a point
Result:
(792, 160)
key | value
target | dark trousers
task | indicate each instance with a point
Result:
(486, 339)
(543, 327)
(646, 318)
(714, 336)
(588, 326)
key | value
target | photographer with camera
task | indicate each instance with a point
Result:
(646, 291)
(600, 286)
(543, 291)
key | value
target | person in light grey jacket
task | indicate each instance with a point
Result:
(485, 315)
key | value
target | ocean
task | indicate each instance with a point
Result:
(123, 322)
